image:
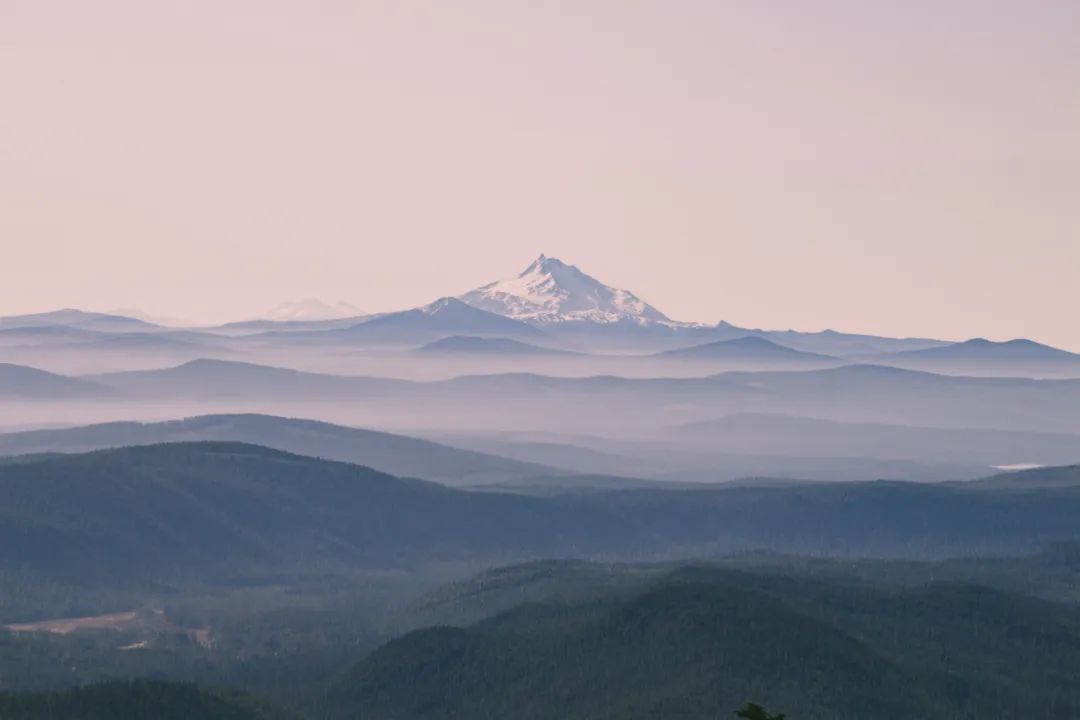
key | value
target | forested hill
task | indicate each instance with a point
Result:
(215, 509)
(210, 510)
(137, 700)
(700, 642)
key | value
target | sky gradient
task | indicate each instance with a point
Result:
(901, 168)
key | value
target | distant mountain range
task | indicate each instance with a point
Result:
(550, 304)
(608, 404)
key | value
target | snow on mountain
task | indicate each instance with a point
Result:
(550, 291)
(312, 309)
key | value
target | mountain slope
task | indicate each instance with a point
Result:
(1067, 476)
(985, 357)
(394, 454)
(751, 350)
(679, 650)
(811, 437)
(854, 393)
(980, 349)
(212, 512)
(220, 379)
(444, 317)
(881, 394)
(586, 313)
(699, 642)
(27, 383)
(468, 345)
(828, 342)
(550, 291)
(35, 335)
(230, 512)
(101, 322)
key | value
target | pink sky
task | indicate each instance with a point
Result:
(906, 168)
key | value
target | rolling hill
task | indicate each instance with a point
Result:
(983, 349)
(700, 642)
(393, 454)
(853, 394)
(498, 347)
(206, 511)
(18, 382)
(216, 510)
(1020, 357)
(101, 322)
(221, 379)
(1067, 476)
(748, 350)
(765, 434)
(38, 335)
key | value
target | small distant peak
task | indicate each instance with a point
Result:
(441, 304)
(201, 363)
(436, 305)
(1024, 343)
(751, 340)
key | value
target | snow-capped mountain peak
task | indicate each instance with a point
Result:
(550, 291)
(312, 309)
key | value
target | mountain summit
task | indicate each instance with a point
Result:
(312, 309)
(550, 291)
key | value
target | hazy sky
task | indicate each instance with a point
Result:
(902, 167)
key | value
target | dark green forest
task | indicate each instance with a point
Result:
(229, 513)
(330, 591)
(581, 640)
(137, 700)
(700, 639)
